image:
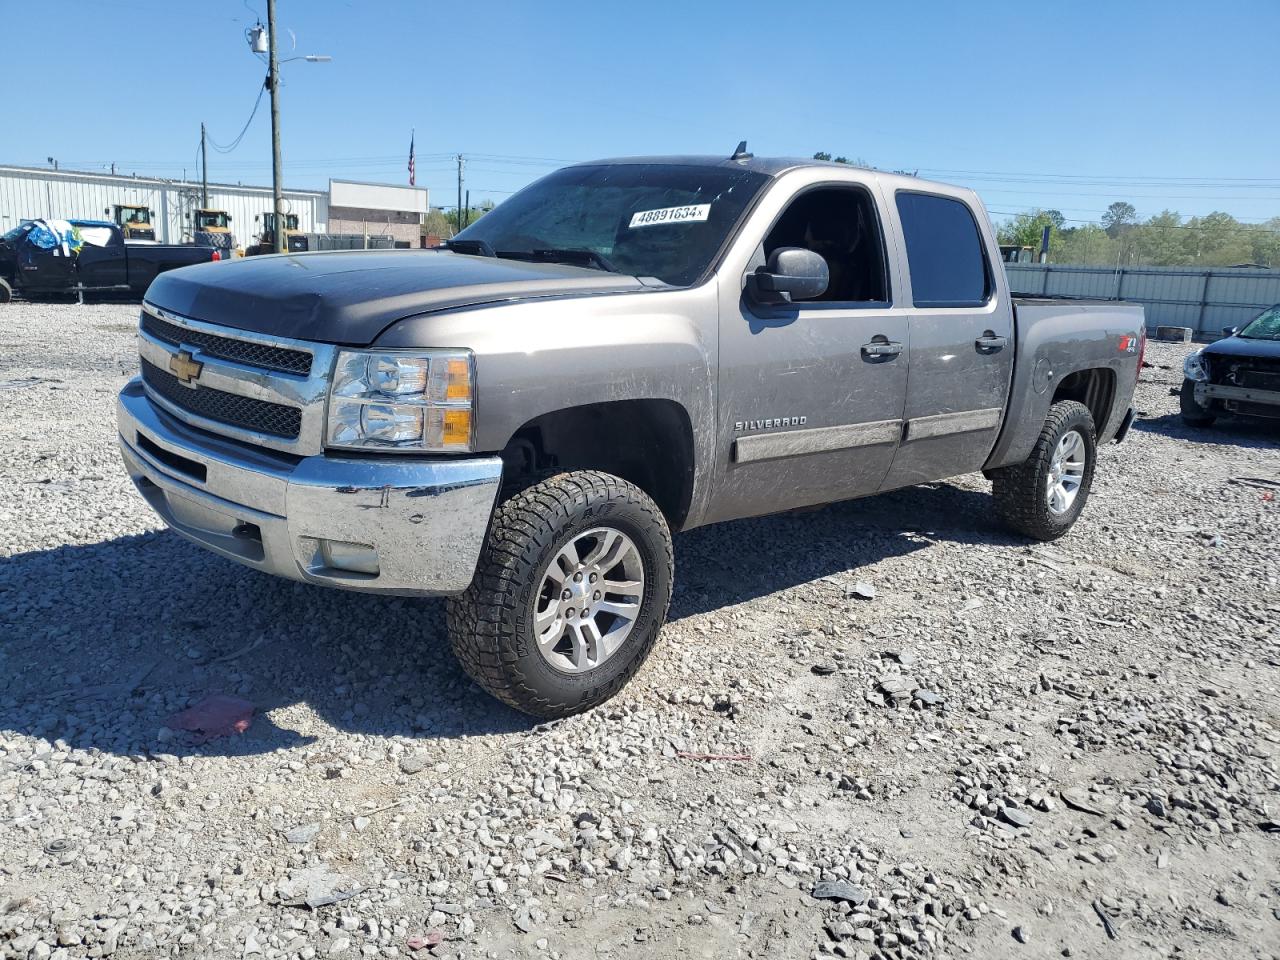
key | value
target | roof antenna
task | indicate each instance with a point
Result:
(741, 152)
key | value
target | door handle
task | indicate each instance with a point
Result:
(990, 343)
(881, 348)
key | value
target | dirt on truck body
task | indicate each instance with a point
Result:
(621, 351)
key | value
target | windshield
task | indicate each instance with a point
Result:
(644, 219)
(204, 219)
(1265, 326)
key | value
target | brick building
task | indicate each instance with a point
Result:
(378, 209)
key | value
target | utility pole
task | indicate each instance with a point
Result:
(468, 207)
(273, 82)
(460, 162)
(204, 171)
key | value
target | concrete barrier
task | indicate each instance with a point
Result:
(1174, 334)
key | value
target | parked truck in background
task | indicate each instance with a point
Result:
(103, 265)
(622, 350)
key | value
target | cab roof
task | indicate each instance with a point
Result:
(769, 166)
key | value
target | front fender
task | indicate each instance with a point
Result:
(540, 357)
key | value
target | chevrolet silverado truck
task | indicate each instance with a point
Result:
(622, 350)
(104, 263)
(1238, 374)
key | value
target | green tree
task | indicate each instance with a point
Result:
(1026, 229)
(1161, 241)
(823, 155)
(1264, 243)
(1084, 244)
(1118, 217)
(437, 223)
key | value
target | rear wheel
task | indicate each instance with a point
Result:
(1044, 495)
(6, 291)
(570, 592)
(1194, 415)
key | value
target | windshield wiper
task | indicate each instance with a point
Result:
(479, 248)
(573, 255)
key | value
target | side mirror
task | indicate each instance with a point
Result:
(1230, 331)
(228, 218)
(792, 273)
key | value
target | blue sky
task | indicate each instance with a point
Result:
(1034, 104)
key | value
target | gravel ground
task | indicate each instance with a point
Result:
(1007, 750)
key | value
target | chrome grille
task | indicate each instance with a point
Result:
(247, 386)
(261, 416)
(228, 348)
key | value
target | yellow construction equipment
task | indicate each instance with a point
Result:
(212, 228)
(134, 221)
(295, 241)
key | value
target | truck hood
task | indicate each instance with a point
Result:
(349, 297)
(1244, 347)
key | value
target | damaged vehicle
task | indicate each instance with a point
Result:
(623, 350)
(1238, 374)
(47, 258)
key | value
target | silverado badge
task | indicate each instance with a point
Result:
(186, 369)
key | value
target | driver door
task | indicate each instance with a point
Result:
(811, 393)
(102, 259)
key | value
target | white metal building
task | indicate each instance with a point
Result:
(27, 193)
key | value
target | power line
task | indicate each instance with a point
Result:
(243, 130)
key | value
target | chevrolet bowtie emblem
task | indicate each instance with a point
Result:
(182, 366)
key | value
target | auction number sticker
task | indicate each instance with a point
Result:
(693, 213)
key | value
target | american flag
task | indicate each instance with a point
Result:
(412, 165)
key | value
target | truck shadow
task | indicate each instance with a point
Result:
(1227, 430)
(103, 642)
(734, 562)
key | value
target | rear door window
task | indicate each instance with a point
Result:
(944, 251)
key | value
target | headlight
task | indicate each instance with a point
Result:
(1193, 367)
(419, 401)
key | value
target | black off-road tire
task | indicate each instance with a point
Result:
(1194, 415)
(491, 624)
(6, 291)
(1021, 491)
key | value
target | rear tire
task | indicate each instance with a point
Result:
(1194, 415)
(495, 626)
(1043, 496)
(6, 291)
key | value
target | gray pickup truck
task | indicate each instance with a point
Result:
(622, 350)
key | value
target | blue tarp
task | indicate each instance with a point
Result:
(55, 235)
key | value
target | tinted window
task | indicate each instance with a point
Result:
(647, 219)
(944, 251)
(839, 224)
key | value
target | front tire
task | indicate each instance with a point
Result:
(1194, 415)
(6, 291)
(575, 542)
(1043, 496)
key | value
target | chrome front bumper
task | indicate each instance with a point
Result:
(420, 524)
